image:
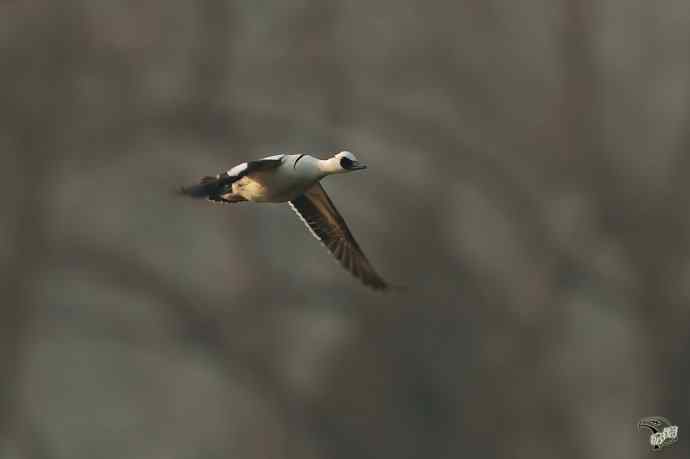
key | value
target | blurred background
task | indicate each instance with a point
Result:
(527, 185)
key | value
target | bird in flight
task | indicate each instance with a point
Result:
(295, 179)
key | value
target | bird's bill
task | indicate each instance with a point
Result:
(356, 165)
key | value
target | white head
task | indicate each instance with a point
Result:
(341, 163)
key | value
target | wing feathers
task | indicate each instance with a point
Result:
(318, 213)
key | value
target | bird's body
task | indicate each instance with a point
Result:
(295, 179)
(291, 178)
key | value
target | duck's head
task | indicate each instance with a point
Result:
(341, 163)
(345, 161)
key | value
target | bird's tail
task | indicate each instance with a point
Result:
(207, 188)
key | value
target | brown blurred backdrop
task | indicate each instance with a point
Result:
(527, 184)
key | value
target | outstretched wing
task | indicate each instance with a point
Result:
(317, 211)
(214, 187)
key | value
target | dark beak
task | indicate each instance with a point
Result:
(356, 165)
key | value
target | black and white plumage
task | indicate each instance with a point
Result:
(295, 179)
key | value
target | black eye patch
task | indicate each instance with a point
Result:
(345, 163)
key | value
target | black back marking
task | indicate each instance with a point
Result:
(294, 166)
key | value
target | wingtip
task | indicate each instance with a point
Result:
(385, 287)
(376, 284)
(206, 187)
(178, 191)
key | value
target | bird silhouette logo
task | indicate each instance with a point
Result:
(663, 433)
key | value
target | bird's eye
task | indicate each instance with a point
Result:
(345, 163)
